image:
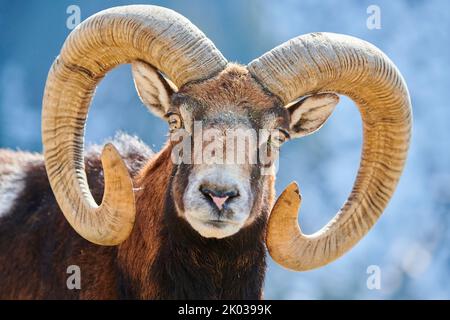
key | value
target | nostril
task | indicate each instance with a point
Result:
(206, 191)
(232, 193)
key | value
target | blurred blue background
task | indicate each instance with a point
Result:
(410, 243)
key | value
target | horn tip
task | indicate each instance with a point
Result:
(109, 147)
(293, 188)
(110, 154)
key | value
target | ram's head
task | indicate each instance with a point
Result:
(287, 93)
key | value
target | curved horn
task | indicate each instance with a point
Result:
(349, 66)
(156, 35)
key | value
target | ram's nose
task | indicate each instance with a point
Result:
(219, 195)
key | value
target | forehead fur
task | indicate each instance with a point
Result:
(234, 85)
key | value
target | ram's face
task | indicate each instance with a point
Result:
(226, 166)
(226, 133)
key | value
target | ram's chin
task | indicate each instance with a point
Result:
(213, 228)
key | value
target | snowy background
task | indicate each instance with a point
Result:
(410, 243)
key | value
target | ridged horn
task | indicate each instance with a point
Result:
(352, 67)
(158, 36)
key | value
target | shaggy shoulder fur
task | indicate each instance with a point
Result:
(37, 244)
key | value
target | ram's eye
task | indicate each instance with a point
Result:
(278, 137)
(175, 121)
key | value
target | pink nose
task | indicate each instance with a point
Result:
(219, 201)
(218, 195)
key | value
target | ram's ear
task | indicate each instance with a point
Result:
(154, 90)
(310, 113)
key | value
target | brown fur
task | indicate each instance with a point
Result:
(145, 238)
(233, 86)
